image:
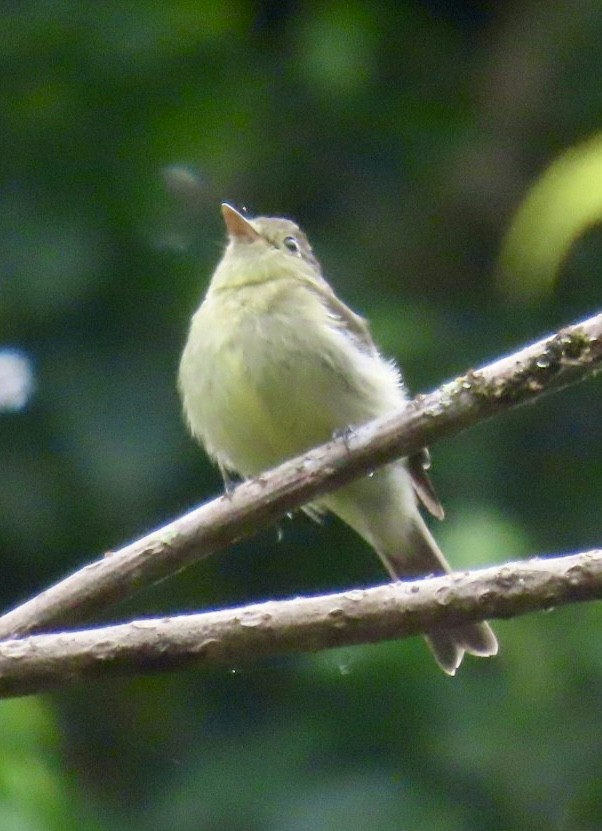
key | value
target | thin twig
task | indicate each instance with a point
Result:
(551, 364)
(236, 636)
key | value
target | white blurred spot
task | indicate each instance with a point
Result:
(16, 380)
(184, 183)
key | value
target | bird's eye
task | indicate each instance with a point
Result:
(292, 244)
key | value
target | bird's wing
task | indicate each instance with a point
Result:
(352, 322)
(418, 464)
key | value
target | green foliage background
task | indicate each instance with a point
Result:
(403, 136)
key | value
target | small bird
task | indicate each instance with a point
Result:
(276, 364)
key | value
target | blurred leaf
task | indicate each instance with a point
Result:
(561, 206)
(33, 792)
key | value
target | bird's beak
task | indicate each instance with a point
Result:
(237, 225)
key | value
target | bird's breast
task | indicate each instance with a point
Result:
(267, 376)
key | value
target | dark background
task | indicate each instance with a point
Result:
(403, 136)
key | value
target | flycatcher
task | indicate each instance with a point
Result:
(275, 364)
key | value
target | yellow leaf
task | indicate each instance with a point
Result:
(564, 203)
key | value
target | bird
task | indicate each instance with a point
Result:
(276, 364)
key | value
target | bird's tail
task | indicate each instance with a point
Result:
(423, 557)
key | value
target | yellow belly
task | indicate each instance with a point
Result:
(263, 383)
(255, 398)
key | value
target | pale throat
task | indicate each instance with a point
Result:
(256, 263)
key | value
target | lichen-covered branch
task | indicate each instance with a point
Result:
(555, 362)
(236, 636)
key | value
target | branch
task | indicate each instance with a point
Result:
(562, 359)
(236, 636)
